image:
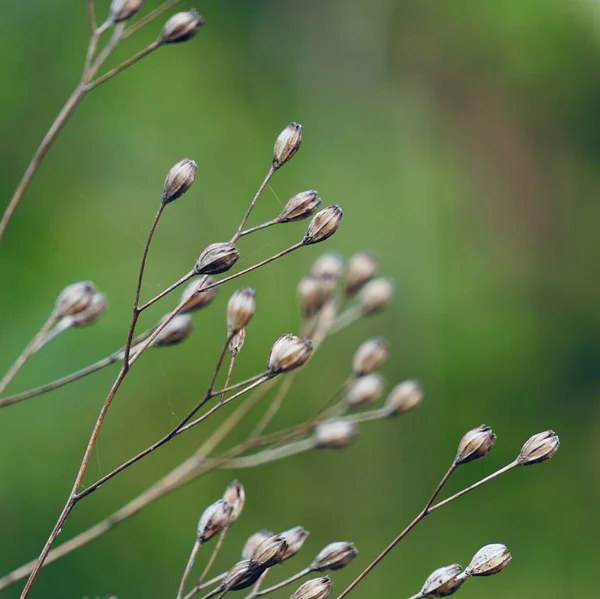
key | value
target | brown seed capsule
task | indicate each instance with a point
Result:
(375, 296)
(197, 298)
(294, 537)
(475, 444)
(317, 588)
(176, 331)
(539, 448)
(334, 556)
(365, 390)
(361, 269)
(299, 207)
(288, 353)
(240, 310)
(370, 356)
(217, 258)
(335, 433)
(179, 180)
(242, 575)
(310, 295)
(214, 520)
(91, 313)
(443, 582)
(236, 343)
(489, 560)
(270, 552)
(287, 144)
(323, 225)
(181, 27)
(253, 542)
(403, 397)
(328, 266)
(235, 496)
(74, 299)
(121, 10)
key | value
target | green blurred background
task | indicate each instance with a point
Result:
(462, 140)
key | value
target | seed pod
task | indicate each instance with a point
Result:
(287, 144)
(323, 225)
(539, 448)
(179, 180)
(294, 537)
(235, 496)
(370, 356)
(121, 10)
(270, 552)
(375, 296)
(242, 575)
(310, 295)
(253, 542)
(240, 310)
(217, 258)
(365, 390)
(443, 582)
(403, 397)
(74, 299)
(197, 298)
(299, 207)
(214, 520)
(181, 27)
(335, 433)
(489, 560)
(362, 268)
(328, 266)
(475, 444)
(236, 343)
(176, 331)
(316, 588)
(92, 312)
(288, 353)
(334, 556)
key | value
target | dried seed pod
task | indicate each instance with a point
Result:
(181, 27)
(316, 588)
(299, 207)
(176, 331)
(91, 313)
(539, 448)
(323, 225)
(335, 433)
(242, 575)
(288, 353)
(236, 343)
(270, 552)
(334, 556)
(179, 179)
(310, 295)
(365, 390)
(375, 296)
(217, 258)
(121, 10)
(287, 144)
(403, 397)
(214, 520)
(294, 537)
(443, 582)
(370, 356)
(74, 298)
(475, 444)
(253, 542)
(328, 266)
(362, 268)
(240, 310)
(196, 296)
(235, 496)
(489, 560)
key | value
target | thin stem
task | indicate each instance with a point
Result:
(274, 407)
(168, 290)
(150, 17)
(238, 385)
(269, 223)
(271, 455)
(91, 15)
(188, 568)
(369, 416)
(213, 555)
(281, 585)
(345, 319)
(106, 51)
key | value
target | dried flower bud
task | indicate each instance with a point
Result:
(214, 520)
(287, 144)
(176, 331)
(475, 444)
(288, 353)
(316, 588)
(217, 258)
(335, 433)
(375, 296)
(270, 552)
(403, 397)
(91, 313)
(242, 575)
(253, 542)
(334, 556)
(489, 560)
(310, 295)
(179, 180)
(235, 496)
(294, 537)
(299, 207)
(370, 356)
(443, 582)
(362, 268)
(240, 310)
(539, 448)
(74, 299)
(197, 298)
(365, 390)
(323, 225)
(181, 27)
(121, 10)
(328, 266)
(237, 342)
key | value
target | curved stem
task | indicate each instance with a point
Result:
(188, 568)
(271, 455)
(281, 584)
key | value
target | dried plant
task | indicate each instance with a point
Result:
(332, 297)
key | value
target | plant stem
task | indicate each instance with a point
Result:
(150, 17)
(213, 555)
(259, 227)
(281, 584)
(188, 568)
(271, 455)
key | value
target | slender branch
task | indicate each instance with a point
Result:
(213, 555)
(106, 51)
(169, 289)
(280, 585)
(271, 455)
(346, 318)
(91, 16)
(150, 17)
(275, 406)
(269, 223)
(188, 568)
